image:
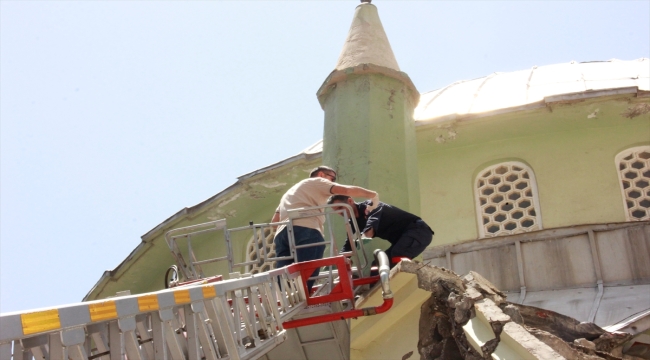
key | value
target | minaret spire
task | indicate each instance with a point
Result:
(366, 42)
(369, 134)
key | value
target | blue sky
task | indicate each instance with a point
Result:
(114, 115)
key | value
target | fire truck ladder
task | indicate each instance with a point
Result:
(249, 316)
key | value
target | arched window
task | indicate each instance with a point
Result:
(267, 241)
(634, 176)
(506, 200)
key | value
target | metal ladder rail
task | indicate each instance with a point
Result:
(359, 258)
(193, 270)
(358, 255)
(192, 322)
(258, 236)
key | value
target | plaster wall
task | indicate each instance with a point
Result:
(570, 150)
(369, 137)
(394, 342)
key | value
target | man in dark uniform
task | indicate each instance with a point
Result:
(408, 234)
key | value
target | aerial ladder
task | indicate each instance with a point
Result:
(268, 315)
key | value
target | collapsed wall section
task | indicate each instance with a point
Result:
(467, 317)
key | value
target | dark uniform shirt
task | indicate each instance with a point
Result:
(388, 222)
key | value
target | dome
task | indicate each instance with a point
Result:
(528, 89)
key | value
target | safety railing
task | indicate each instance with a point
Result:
(358, 254)
(343, 290)
(239, 318)
(191, 268)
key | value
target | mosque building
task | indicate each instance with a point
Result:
(538, 179)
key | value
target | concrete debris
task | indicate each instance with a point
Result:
(514, 314)
(585, 343)
(560, 346)
(469, 318)
(476, 281)
(517, 335)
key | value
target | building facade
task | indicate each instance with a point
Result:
(538, 179)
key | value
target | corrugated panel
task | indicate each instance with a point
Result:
(498, 265)
(638, 251)
(576, 303)
(624, 255)
(555, 264)
(619, 303)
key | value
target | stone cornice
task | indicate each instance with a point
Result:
(337, 76)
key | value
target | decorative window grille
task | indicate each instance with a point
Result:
(267, 241)
(506, 200)
(634, 177)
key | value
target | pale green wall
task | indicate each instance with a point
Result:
(369, 137)
(572, 158)
(395, 342)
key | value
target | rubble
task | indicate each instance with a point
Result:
(467, 317)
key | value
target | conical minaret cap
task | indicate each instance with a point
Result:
(366, 42)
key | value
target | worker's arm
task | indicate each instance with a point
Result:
(275, 218)
(352, 191)
(357, 191)
(370, 233)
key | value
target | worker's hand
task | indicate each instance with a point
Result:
(375, 203)
(369, 234)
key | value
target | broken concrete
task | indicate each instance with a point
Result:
(469, 318)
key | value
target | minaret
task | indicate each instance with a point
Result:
(369, 132)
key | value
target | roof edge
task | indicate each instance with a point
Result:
(548, 100)
(337, 76)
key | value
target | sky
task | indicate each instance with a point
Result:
(114, 115)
